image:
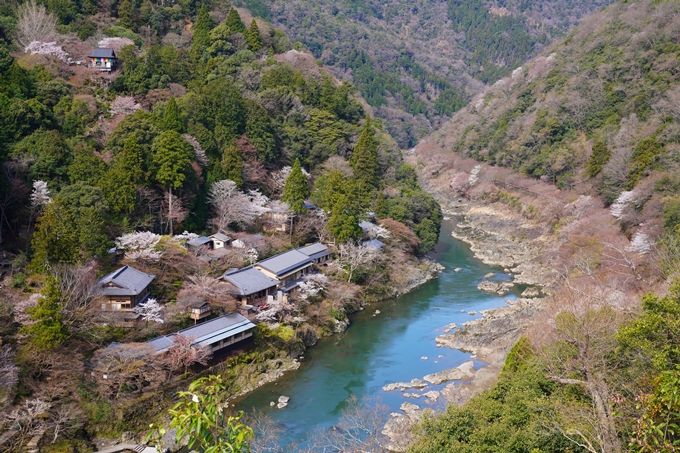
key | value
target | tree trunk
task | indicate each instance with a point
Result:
(170, 210)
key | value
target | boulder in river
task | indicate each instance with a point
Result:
(458, 269)
(531, 292)
(490, 275)
(284, 399)
(460, 372)
(489, 287)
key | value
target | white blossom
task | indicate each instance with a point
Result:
(150, 311)
(40, 195)
(379, 231)
(124, 105)
(618, 208)
(280, 176)
(201, 157)
(313, 286)
(273, 310)
(641, 243)
(230, 205)
(239, 244)
(115, 43)
(474, 175)
(185, 237)
(46, 48)
(140, 246)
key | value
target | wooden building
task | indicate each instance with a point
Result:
(250, 286)
(286, 267)
(125, 288)
(199, 311)
(217, 334)
(319, 253)
(103, 59)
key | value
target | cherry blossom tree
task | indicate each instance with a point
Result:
(618, 208)
(201, 157)
(40, 195)
(48, 49)
(233, 206)
(279, 177)
(140, 246)
(353, 256)
(379, 231)
(314, 285)
(474, 175)
(150, 311)
(275, 310)
(124, 105)
(641, 243)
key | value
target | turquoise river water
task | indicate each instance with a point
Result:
(380, 349)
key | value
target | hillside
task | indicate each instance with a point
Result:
(210, 123)
(573, 157)
(418, 62)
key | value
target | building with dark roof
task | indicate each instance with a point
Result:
(103, 59)
(124, 288)
(199, 242)
(216, 334)
(249, 285)
(317, 252)
(286, 267)
(374, 243)
(220, 240)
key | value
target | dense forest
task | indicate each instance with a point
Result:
(596, 117)
(210, 120)
(418, 62)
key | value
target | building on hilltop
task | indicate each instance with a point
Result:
(124, 289)
(103, 59)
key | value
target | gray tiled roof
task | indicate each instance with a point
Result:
(128, 281)
(207, 333)
(249, 280)
(375, 243)
(102, 52)
(220, 236)
(199, 241)
(285, 262)
(310, 250)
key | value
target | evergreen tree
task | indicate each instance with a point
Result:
(48, 330)
(598, 158)
(234, 22)
(260, 131)
(253, 37)
(126, 15)
(56, 237)
(201, 38)
(232, 164)
(121, 180)
(381, 207)
(296, 190)
(365, 156)
(172, 120)
(344, 221)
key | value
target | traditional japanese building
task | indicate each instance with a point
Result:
(125, 288)
(103, 59)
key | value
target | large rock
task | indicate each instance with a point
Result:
(489, 287)
(414, 384)
(531, 292)
(452, 374)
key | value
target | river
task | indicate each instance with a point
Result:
(398, 344)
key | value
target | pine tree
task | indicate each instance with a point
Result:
(381, 208)
(234, 22)
(56, 237)
(48, 330)
(260, 131)
(598, 158)
(296, 190)
(365, 156)
(126, 15)
(344, 221)
(201, 39)
(172, 120)
(253, 37)
(232, 164)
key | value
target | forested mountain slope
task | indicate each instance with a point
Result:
(581, 144)
(417, 62)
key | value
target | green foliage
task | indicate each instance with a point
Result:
(172, 119)
(200, 417)
(645, 155)
(234, 22)
(172, 157)
(47, 331)
(598, 159)
(365, 156)
(296, 190)
(126, 15)
(659, 427)
(253, 37)
(343, 223)
(201, 37)
(232, 164)
(56, 237)
(671, 215)
(260, 132)
(655, 331)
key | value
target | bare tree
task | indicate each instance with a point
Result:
(9, 373)
(64, 420)
(353, 256)
(267, 432)
(34, 24)
(123, 365)
(78, 285)
(183, 353)
(358, 430)
(28, 419)
(233, 206)
(210, 289)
